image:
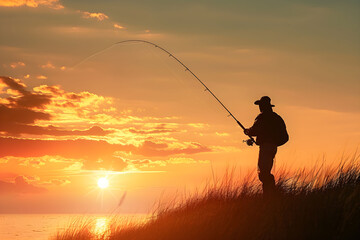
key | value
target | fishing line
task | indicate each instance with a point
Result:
(250, 141)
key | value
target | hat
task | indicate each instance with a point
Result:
(264, 101)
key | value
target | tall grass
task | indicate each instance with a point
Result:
(79, 229)
(323, 203)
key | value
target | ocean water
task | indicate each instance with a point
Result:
(44, 226)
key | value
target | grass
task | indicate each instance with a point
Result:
(323, 203)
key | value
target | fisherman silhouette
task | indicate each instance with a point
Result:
(270, 131)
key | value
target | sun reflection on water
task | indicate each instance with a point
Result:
(101, 226)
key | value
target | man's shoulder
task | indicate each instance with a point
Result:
(276, 115)
(261, 115)
(268, 115)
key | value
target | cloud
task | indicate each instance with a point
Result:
(32, 162)
(56, 182)
(184, 160)
(57, 165)
(19, 113)
(118, 26)
(98, 16)
(41, 77)
(17, 64)
(23, 98)
(93, 149)
(3, 160)
(36, 112)
(152, 149)
(54, 4)
(146, 163)
(20, 120)
(198, 125)
(95, 154)
(48, 65)
(14, 84)
(20, 116)
(7, 175)
(16, 129)
(222, 134)
(161, 129)
(20, 185)
(70, 99)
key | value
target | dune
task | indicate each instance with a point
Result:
(321, 203)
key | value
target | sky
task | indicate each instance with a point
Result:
(135, 116)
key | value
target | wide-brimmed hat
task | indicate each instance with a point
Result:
(264, 101)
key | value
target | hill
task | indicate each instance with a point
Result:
(318, 204)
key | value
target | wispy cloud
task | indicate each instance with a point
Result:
(20, 185)
(159, 129)
(149, 163)
(56, 182)
(41, 77)
(48, 65)
(98, 16)
(118, 26)
(54, 4)
(222, 134)
(17, 64)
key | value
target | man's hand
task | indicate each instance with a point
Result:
(246, 131)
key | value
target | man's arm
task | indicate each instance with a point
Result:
(255, 129)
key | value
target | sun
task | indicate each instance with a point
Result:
(103, 182)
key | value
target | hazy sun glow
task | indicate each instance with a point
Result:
(103, 182)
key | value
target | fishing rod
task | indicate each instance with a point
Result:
(249, 142)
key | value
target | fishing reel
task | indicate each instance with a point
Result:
(249, 142)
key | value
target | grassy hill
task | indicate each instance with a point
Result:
(318, 204)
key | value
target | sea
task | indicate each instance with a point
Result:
(45, 226)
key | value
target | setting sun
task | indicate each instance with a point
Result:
(103, 183)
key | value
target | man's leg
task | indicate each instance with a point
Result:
(267, 154)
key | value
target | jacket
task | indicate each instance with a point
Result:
(265, 128)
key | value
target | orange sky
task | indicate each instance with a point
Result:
(133, 114)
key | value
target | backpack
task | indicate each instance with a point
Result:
(282, 135)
